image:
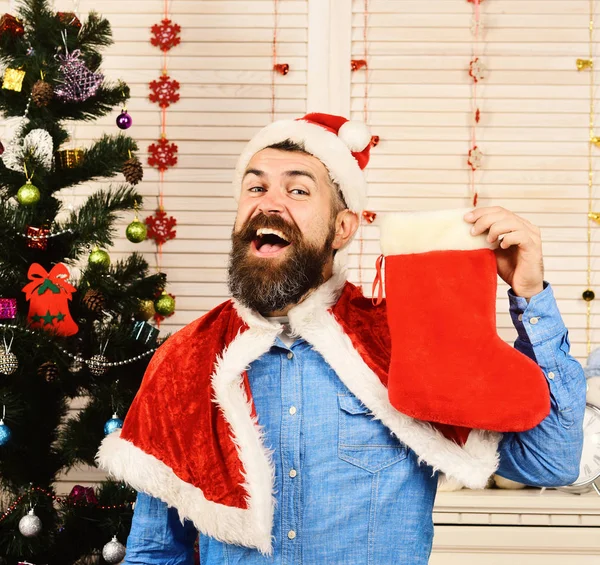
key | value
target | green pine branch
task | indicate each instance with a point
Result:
(92, 223)
(103, 159)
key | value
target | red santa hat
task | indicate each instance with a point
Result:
(343, 146)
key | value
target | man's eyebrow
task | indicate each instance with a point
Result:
(256, 172)
(301, 174)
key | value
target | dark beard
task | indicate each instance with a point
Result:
(267, 285)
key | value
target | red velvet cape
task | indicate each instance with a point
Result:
(189, 433)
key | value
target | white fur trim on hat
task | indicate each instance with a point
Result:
(323, 144)
(355, 135)
(436, 230)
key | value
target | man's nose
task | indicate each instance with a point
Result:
(272, 202)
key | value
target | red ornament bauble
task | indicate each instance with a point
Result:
(165, 35)
(369, 216)
(160, 227)
(11, 25)
(281, 68)
(357, 64)
(164, 91)
(163, 154)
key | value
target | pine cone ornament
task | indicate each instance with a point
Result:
(94, 301)
(48, 371)
(133, 171)
(42, 93)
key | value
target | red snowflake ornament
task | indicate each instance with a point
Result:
(165, 35)
(163, 154)
(160, 228)
(164, 91)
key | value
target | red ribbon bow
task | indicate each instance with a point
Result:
(55, 278)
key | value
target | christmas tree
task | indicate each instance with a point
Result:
(73, 325)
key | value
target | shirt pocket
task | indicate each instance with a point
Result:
(364, 441)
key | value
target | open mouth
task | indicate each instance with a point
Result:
(269, 242)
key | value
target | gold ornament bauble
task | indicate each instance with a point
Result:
(146, 310)
(28, 194)
(99, 257)
(583, 64)
(164, 304)
(136, 231)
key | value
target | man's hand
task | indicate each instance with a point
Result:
(519, 257)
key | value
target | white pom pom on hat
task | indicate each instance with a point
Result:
(355, 135)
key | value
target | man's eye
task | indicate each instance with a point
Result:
(299, 191)
(256, 189)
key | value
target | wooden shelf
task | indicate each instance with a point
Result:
(527, 507)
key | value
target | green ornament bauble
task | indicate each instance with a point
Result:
(99, 257)
(165, 304)
(28, 195)
(136, 231)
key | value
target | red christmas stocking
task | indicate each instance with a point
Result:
(448, 364)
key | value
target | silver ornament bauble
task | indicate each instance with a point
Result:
(8, 363)
(113, 551)
(30, 525)
(97, 365)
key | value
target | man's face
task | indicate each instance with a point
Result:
(284, 233)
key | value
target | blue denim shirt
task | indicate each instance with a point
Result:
(347, 490)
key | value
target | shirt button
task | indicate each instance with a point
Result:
(291, 534)
(551, 375)
(534, 321)
(292, 410)
(293, 473)
(520, 317)
(290, 355)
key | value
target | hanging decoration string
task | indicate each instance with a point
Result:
(477, 72)
(69, 501)
(588, 64)
(163, 154)
(277, 68)
(358, 65)
(6, 327)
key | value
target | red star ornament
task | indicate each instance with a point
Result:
(160, 228)
(164, 91)
(165, 35)
(162, 154)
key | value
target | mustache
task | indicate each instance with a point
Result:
(247, 232)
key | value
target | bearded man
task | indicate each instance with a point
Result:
(265, 425)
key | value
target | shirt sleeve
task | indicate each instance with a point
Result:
(157, 535)
(549, 454)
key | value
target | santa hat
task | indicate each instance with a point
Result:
(343, 146)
